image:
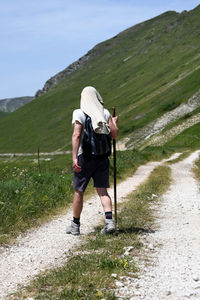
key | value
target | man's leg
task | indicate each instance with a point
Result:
(77, 209)
(77, 204)
(105, 199)
(109, 226)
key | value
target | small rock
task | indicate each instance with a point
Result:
(151, 247)
(137, 285)
(195, 278)
(192, 294)
(154, 196)
(114, 275)
(125, 290)
(119, 284)
(188, 295)
(128, 249)
(168, 293)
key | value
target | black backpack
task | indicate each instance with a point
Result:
(95, 144)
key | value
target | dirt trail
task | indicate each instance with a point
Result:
(46, 247)
(172, 269)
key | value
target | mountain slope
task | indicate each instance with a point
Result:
(145, 71)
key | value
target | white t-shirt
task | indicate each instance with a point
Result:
(78, 115)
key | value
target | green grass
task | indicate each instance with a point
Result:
(189, 139)
(87, 273)
(29, 194)
(160, 50)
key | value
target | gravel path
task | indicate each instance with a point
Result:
(172, 268)
(46, 247)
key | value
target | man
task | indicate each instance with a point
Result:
(86, 167)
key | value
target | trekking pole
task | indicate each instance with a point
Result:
(115, 172)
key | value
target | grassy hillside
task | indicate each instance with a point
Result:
(3, 114)
(145, 71)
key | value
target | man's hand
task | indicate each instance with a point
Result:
(76, 166)
(112, 123)
(115, 120)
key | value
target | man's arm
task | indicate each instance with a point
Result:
(76, 137)
(112, 123)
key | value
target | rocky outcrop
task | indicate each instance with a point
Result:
(84, 60)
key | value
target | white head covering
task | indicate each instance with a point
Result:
(92, 105)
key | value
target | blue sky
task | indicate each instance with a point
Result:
(40, 38)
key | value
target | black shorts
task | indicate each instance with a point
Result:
(96, 168)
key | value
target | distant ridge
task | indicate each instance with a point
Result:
(82, 61)
(11, 104)
(96, 51)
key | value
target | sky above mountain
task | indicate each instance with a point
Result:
(41, 38)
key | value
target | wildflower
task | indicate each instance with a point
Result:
(17, 191)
